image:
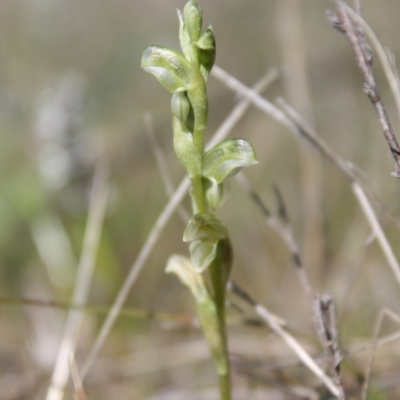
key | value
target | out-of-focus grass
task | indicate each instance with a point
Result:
(71, 86)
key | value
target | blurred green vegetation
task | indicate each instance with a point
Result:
(71, 88)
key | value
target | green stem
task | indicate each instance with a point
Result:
(218, 284)
(199, 202)
(198, 98)
(225, 386)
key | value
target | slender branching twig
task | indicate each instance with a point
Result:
(386, 60)
(324, 313)
(287, 337)
(283, 228)
(364, 60)
(298, 126)
(68, 345)
(343, 166)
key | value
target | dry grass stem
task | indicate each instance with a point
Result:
(266, 316)
(296, 124)
(378, 325)
(324, 313)
(97, 209)
(160, 223)
(76, 379)
(293, 49)
(377, 229)
(162, 165)
(283, 228)
(343, 166)
(364, 60)
(134, 272)
(171, 319)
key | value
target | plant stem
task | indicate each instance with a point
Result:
(198, 200)
(198, 98)
(217, 275)
(225, 386)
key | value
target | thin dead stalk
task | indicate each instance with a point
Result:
(324, 313)
(97, 209)
(377, 230)
(343, 166)
(364, 60)
(76, 379)
(162, 164)
(378, 325)
(388, 65)
(298, 126)
(266, 316)
(283, 228)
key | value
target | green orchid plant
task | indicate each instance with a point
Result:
(185, 76)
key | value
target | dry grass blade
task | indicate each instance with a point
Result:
(343, 166)
(160, 223)
(162, 164)
(128, 312)
(76, 379)
(377, 229)
(384, 313)
(287, 337)
(296, 124)
(97, 209)
(283, 229)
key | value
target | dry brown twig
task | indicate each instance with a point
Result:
(364, 59)
(291, 342)
(296, 124)
(283, 228)
(324, 313)
(305, 130)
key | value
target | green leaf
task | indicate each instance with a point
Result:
(183, 268)
(227, 158)
(170, 67)
(205, 227)
(206, 51)
(206, 308)
(193, 19)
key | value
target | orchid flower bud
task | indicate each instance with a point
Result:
(180, 106)
(206, 51)
(193, 20)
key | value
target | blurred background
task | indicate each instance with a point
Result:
(72, 93)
